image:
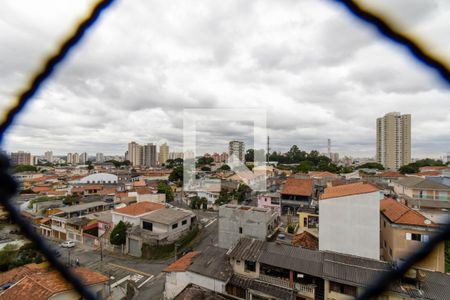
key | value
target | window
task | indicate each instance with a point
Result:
(240, 230)
(174, 225)
(250, 266)
(184, 222)
(417, 237)
(384, 223)
(238, 262)
(390, 251)
(342, 288)
(147, 225)
(385, 244)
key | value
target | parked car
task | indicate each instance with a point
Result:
(68, 244)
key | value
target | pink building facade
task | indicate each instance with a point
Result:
(270, 200)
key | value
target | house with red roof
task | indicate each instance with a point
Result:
(133, 212)
(404, 230)
(296, 193)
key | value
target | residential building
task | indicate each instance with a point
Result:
(349, 220)
(295, 194)
(69, 158)
(161, 226)
(420, 192)
(21, 158)
(135, 154)
(394, 140)
(237, 149)
(308, 222)
(267, 270)
(163, 155)
(175, 155)
(209, 269)
(48, 156)
(99, 178)
(216, 157)
(75, 159)
(132, 213)
(224, 157)
(83, 158)
(99, 158)
(270, 200)
(404, 230)
(36, 282)
(236, 221)
(149, 155)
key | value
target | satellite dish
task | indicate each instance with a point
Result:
(427, 222)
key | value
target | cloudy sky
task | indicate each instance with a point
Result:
(317, 71)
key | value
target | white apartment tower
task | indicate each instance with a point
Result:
(99, 158)
(48, 155)
(135, 154)
(163, 153)
(83, 158)
(237, 148)
(394, 140)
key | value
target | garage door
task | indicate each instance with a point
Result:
(133, 247)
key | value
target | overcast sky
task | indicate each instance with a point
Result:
(318, 72)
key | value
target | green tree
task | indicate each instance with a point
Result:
(71, 199)
(177, 174)
(118, 234)
(225, 167)
(291, 228)
(24, 168)
(371, 165)
(409, 169)
(206, 169)
(164, 188)
(205, 160)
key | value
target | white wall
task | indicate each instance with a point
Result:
(351, 225)
(177, 281)
(116, 218)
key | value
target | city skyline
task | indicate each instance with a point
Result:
(310, 92)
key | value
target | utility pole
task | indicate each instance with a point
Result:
(268, 150)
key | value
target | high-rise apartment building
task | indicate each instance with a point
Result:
(48, 156)
(21, 158)
(135, 154)
(99, 158)
(163, 153)
(69, 158)
(149, 155)
(75, 159)
(237, 148)
(394, 140)
(175, 155)
(83, 158)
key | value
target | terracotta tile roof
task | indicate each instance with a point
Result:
(56, 193)
(399, 213)
(306, 240)
(16, 274)
(43, 284)
(433, 168)
(139, 208)
(348, 190)
(140, 183)
(145, 190)
(41, 189)
(182, 264)
(299, 187)
(107, 191)
(92, 187)
(428, 173)
(319, 174)
(77, 189)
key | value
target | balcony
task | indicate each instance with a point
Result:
(305, 290)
